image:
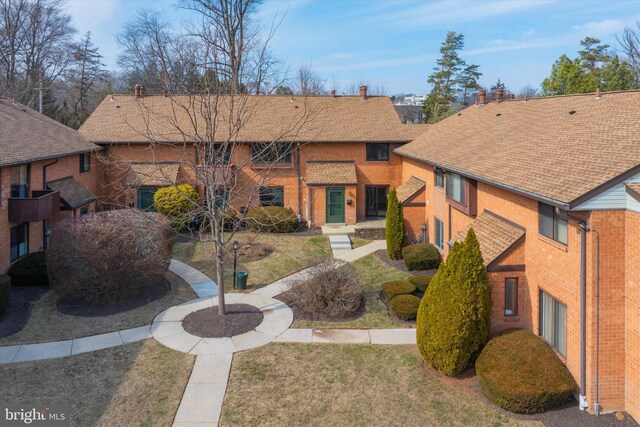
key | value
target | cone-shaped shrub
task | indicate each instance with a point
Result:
(454, 316)
(394, 226)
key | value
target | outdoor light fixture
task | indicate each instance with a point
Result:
(236, 245)
(424, 232)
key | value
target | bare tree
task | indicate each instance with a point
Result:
(215, 128)
(88, 70)
(34, 47)
(308, 82)
(353, 88)
(528, 91)
(629, 43)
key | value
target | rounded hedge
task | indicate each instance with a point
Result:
(5, 287)
(31, 269)
(392, 289)
(271, 219)
(421, 256)
(178, 203)
(421, 282)
(405, 306)
(520, 372)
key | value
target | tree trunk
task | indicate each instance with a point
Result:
(220, 277)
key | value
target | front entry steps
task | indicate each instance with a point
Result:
(338, 229)
(340, 243)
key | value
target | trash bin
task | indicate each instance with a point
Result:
(241, 280)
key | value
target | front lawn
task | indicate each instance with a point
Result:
(47, 323)
(372, 273)
(344, 385)
(289, 253)
(137, 384)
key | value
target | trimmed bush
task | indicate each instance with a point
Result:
(519, 372)
(271, 219)
(421, 256)
(5, 287)
(394, 226)
(455, 314)
(110, 256)
(31, 269)
(405, 306)
(178, 203)
(394, 288)
(332, 292)
(421, 282)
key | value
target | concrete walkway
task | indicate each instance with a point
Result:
(361, 252)
(339, 243)
(350, 336)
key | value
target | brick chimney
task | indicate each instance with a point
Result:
(482, 96)
(499, 95)
(141, 90)
(333, 93)
(136, 91)
(363, 91)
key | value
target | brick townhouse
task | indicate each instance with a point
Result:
(47, 172)
(335, 156)
(551, 187)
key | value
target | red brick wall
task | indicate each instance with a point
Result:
(632, 315)
(64, 167)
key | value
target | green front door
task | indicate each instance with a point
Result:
(145, 199)
(335, 205)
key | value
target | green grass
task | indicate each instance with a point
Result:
(372, 273)
(291, 253)
(345, 385)
(356, 242)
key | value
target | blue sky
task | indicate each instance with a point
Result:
(395, 43)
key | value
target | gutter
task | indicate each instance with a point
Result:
(547, 200)
(584, 229)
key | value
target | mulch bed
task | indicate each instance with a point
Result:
(84, 309)
(567, 415)
(21, 299)
(207, 323)
(399, 264)
(300, 314)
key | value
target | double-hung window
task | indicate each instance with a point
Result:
(552, 222)
(439, 178)
(19, 181)
(377, 152)
(271, 196)
(456, 188)
(553, 322)
(511, 296)
(85, 162)
(439, 233)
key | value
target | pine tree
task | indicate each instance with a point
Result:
(454, 316)
(394, 226)
(440, 102)
(468, 81)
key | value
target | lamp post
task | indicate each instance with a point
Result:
(424, 232)
(236, 245)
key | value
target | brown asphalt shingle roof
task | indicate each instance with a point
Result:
(126, 119)
(495, 235)
(633, 188)
(28, 136)
(152, 174)
(539, 146)
(409, 188)
(328, 173)
(72, 193)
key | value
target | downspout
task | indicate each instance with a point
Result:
(45, 237)
(584, 228)
(299, 179)
(596, 406)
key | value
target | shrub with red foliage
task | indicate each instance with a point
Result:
(108, 257)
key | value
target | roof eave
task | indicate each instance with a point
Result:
(535, 196)
(57, 156)
(604, 186)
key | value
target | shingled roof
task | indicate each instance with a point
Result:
(28, 136)
(127, 119)
(495, 235)
(409, 189)
(562, 149)
(331, 173)
(72, 193)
